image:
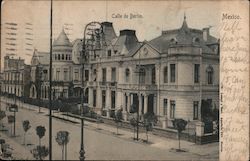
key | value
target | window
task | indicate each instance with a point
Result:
(166, 74)
(165, 107)
(55, 56)
(210, 72)
(153, 76)
(113, 99)
(94, 75)
(104, 72)
(103, 98)
(109, 53)
(66, 74)
(57, 73)
(196, 73)
(66, 56)
(45, 72)
(59, 58)
(86, 75)
(172, 73)
(94, 97)
(76, 75)
(142, 75)
(127, 74)
(113, 74)
(172, 109)
(195, 110)
(62, 56)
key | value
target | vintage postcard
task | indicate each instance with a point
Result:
(124, 80)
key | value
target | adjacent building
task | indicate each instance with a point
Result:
(16, 77)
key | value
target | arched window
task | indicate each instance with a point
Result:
(127, 75)
(210, 72)
(165, 74)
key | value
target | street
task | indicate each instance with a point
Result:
(103, 144)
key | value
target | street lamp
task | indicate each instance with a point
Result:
(92, 27)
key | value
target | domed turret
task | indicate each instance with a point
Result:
(62, 40)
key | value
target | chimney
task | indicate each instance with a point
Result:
(205, 33)
(127, 32)
(108, 31)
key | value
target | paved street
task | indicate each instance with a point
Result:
(104, 144)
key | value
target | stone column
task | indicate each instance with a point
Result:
(108, 102)
(140, 104)
(98, 98)
(90, 97)
(119, 100)
(124, 111)
(121, 75)
(129, 102)
(156, 110)
(145, 103)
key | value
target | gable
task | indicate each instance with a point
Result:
(146, 51)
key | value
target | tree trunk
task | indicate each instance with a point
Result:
(179, 141)
(117, 129)
(24, 139)
(65, 151)
(62, 152)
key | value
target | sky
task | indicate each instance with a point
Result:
(154, 17)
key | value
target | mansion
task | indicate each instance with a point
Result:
(170, 75)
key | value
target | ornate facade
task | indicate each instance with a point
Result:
(171, 75)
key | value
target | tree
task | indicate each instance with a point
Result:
(2, 116)
(40, 131)
(149, 120)
(179, 125)
(118, 119)
(98, 120)
(26, 127)
(62, 138)
(133, 122)
(40, 152)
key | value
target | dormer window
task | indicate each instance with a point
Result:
(173, 41)
(109, 53)
(196, 40)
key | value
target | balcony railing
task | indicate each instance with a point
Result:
(149, 87)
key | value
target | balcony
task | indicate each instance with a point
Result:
(145, 87)
(108, 84)
(189, 87)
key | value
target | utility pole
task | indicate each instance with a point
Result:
(50, 84)
(92, 26)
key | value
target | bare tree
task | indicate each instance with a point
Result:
(26, 127)
(179, 125)
(62, 138)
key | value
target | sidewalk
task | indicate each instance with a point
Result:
(207, 150)
(19, 152)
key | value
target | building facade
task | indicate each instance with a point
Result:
(65, 70)
(16, 77)
(172, 75)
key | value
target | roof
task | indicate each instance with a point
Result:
(62, 40)
(182, 36)
(42, 57)
(126, 42)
